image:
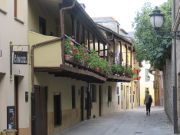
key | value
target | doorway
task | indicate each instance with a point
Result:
(82, 103)
(100, 100)
(16, 102)
(39, 110)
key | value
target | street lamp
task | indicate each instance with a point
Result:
(157, 20)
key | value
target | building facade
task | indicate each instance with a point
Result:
(14, 79)
(175, 27)
(50, 76)
(146, 82)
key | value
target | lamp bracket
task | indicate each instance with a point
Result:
(175, 35)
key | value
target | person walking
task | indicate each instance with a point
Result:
(148, 101)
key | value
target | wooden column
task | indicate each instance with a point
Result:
(98, 48)
(83, 35)
(107, 58)
(104, 51)
(72, 18)
(114, 49)
(120, 53)
(131, 56)
(77, 31)
(88, 41)
(93, 42)
(126, 55)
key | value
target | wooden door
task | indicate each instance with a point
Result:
(16, 101)
(100, 100)
(82, 103)
(39, 111)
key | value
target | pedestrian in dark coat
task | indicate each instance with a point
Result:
(148, 101)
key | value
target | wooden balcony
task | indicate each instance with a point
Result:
(48, 57)
(117, 78)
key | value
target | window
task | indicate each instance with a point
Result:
(109, 94)
(42, 26)
(19, 10)
(118, 90)
(121, 87)
(73, 92)
(3, 6)
(93, 89)
(57, 110)
(118, 100)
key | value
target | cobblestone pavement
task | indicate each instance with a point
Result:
(133, 122)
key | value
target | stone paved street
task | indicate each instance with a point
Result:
(133, 122)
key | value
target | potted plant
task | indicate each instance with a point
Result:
(117, 69)
(78, 53)
(67, 50)
(129, 72)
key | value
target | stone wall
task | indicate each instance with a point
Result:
(168, 89)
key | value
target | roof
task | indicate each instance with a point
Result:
(104, 20)
(122, 37)
(91, 23)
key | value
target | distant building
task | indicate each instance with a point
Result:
(146, 82)
(108, 22)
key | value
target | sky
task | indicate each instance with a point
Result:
(124, 11)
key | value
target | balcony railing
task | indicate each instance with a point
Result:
(77, 55)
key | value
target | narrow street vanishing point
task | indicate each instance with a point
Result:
(132, 122)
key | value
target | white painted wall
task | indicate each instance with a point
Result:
(146, 84)
(15, 32)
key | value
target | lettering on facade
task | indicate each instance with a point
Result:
(20, 57)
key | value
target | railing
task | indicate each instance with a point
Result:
(79, 56)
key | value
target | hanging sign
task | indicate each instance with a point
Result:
(20, 57)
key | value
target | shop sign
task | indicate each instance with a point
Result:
(20, 57)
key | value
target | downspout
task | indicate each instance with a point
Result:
(62, 16)
(62, 27)
(32, 68)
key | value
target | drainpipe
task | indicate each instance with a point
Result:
(62, 16)
(62, 27)
(32, 68)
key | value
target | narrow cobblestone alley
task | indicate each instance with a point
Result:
(133, 122)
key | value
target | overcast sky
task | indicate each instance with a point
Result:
(122, 10)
